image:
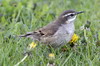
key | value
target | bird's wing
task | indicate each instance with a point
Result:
(48, 30)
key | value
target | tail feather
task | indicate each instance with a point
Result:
(31, 35)
(27, 35)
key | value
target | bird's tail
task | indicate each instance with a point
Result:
(29, 34)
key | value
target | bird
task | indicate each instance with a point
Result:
(58, 32)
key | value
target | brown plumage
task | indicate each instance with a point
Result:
(58, 32)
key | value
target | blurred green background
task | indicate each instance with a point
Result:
(20, 16)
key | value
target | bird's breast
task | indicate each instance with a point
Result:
(65, 29)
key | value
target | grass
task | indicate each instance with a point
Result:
(20, 16)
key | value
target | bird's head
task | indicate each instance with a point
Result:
(69, 16)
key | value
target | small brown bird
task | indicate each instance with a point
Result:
(58, 32)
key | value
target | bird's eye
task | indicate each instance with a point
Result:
(71, 14)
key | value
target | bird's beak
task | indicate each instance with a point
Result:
(79, 12)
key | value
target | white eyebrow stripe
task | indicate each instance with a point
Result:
(67, 14)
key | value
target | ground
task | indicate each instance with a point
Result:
(20, 16)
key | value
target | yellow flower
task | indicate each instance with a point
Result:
(51, 55)
(51, 60)
(32, 45)
(74, 38)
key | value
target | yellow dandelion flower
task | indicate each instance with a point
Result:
(51, 55)
(74, 38)
(51, 59)
(32, 45)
